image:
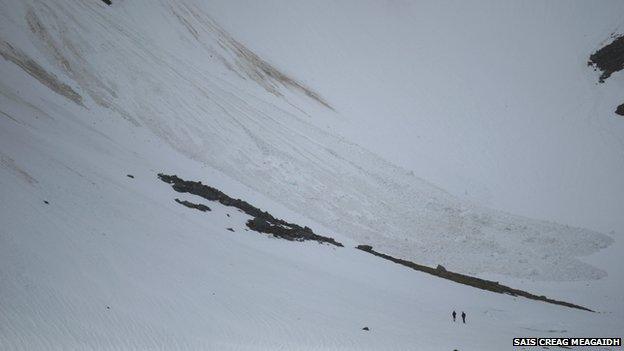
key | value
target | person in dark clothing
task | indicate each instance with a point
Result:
(463, 317)
(454, 315)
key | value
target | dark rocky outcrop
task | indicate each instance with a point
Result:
(189, 204)
(130, 176)
(609, 59)
(469, 280)
(107, 2)
(620, 110)
(262, 222)
(287, 231)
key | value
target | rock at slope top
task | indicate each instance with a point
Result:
(609, 59)
(620, 110)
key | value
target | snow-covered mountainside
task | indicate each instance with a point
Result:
(96, 100)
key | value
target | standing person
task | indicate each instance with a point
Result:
(454, 315)
(464, 317)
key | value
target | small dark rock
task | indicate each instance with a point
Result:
(230, 229)
(364, 247)
(108, 307)
(107, 2)
(188, 204)
(620, 110)
(46, 202)
(130, 176)
(365, 328)
(440, 268)
(227, 214)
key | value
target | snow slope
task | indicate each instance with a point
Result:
(113, 263)
(187, 104)
(491, 100)
(91, 93)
